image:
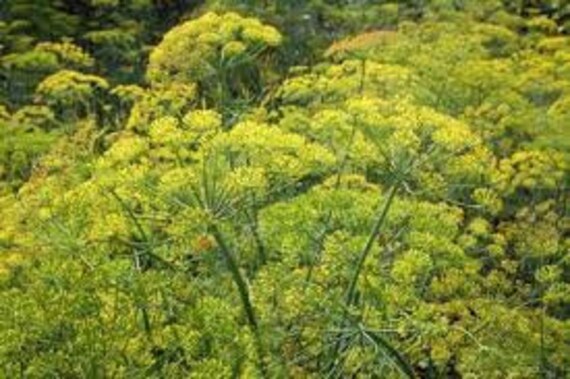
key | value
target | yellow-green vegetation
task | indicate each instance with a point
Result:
(291, 189)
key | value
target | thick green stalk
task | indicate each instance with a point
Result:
(350, 294)
(341, 346)
(254, 228)
(243, 293)
(236, 276)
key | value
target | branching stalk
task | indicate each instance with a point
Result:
(243, 293)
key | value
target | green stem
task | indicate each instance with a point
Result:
(237, 277)
(243, 293)
(254, 228)
(341, 346)
(350, 294)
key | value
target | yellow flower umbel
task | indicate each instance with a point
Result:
(206, 49)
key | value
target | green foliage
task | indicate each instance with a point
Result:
(25, 136)
(223, 55)
(71, 92)
(25, 70)
(398, 209)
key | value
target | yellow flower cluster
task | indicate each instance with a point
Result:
(531, 169)
(165, 100)
(202, 124)
(348, 80)
(68, 87)
(246, 180)
(34, 115)
(411, 266)
(278, 152)
(69, 54)
(233, 49)
(191, 52)
(126, 149)
(128, 93)
(165, 131)
(176, 180)
(488, 199)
